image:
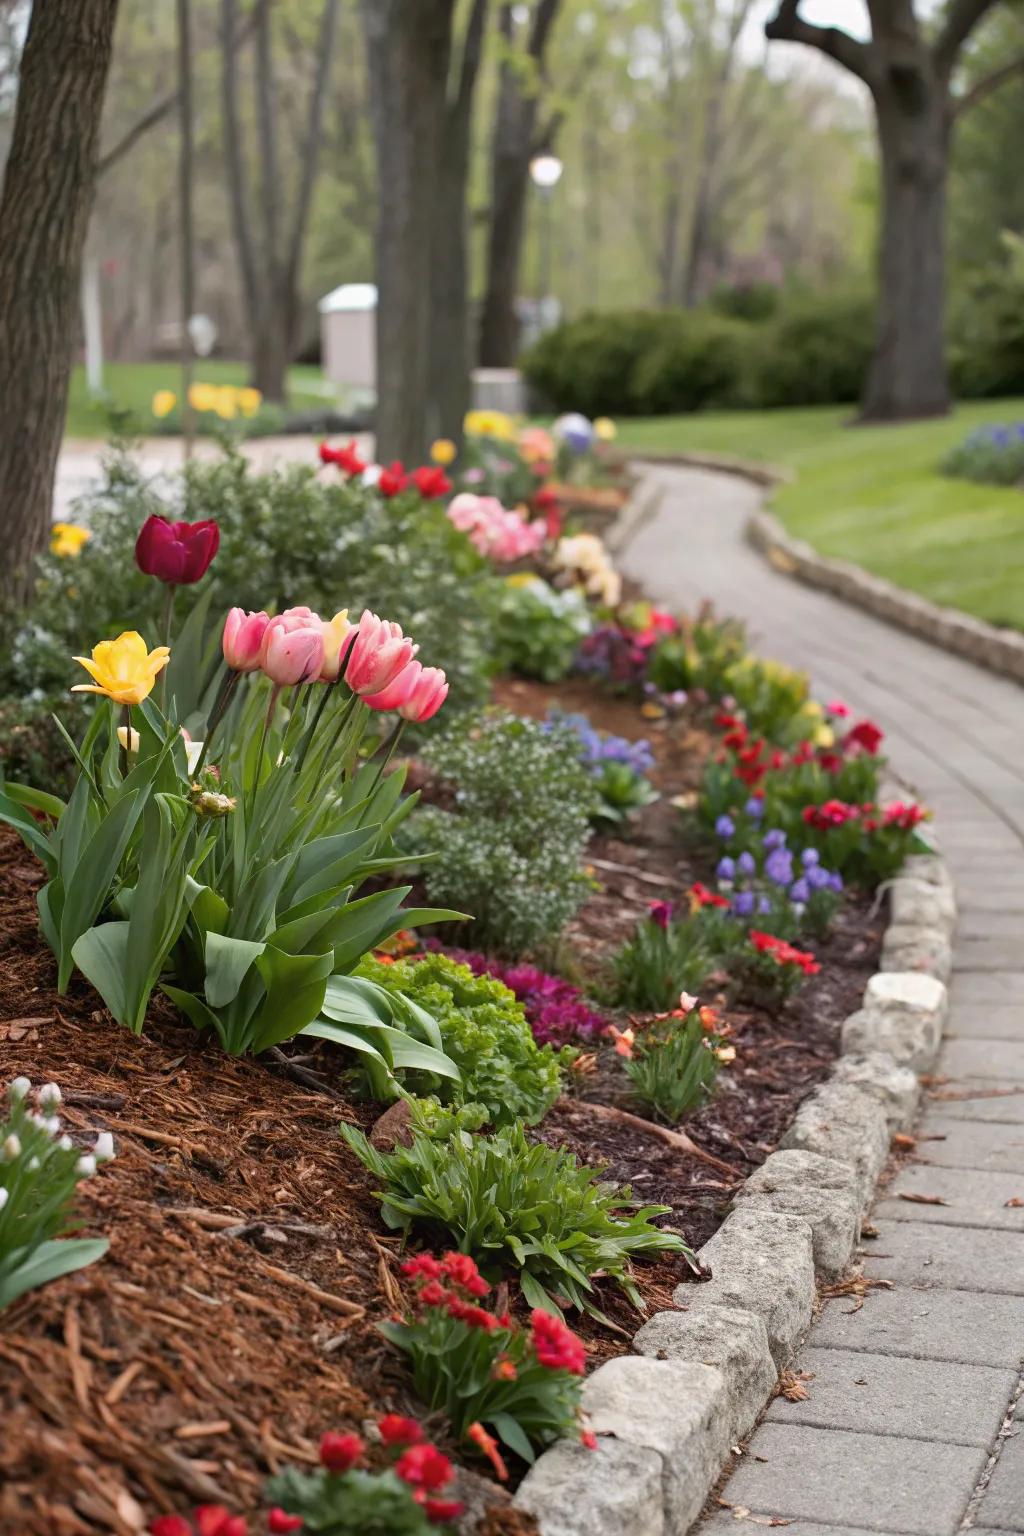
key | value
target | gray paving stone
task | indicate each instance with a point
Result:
(951, 1143)
(987, 987)
(925, 1254)
(1003, 1503)
(978, 1098)
(993, 952)
(724, 1523)
(972, 1198)
(878, 1394)
(875, 1482)
(987, 1021)
(1001, 1060)
(927, 1324)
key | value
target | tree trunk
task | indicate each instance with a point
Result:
(510, 181)
(908, 375)
(272, 349)
(44, 216)
(408, 53)
(449, 392)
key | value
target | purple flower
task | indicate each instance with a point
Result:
(746, 864)
(836, 881)
(774, 839)
(725, 826)
(743, 903)
(778, 866)
(754, 808)
(764, 906)
(810, 856)
(817, 878)
(726, 869)
(800, 892)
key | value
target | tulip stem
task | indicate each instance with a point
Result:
(225, 694)
(389, 752)
(263, 743)
(168, 620)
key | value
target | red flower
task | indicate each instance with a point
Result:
(433, 1294)
(440, 1511)
(830, 762)
(589, 1439)
(865, 734)
(545, 498)
(339, 1453)
(170, 1525)
(431, 481)
(280, 1522)
(461, 1269)
(393, 480)
(348, 459)
(423, 1466)
(215, 1520)
(555, 1345)
(504, 1369)
(473, 1317)
(834, 813)
(700, 896)
(783, 953)
(906, 817)
(661, 913)
(394, 1430)
(735, 738)
(423, 1264)
(489, 1446)
(177, 553)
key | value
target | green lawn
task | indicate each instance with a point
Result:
(131, 387)
(874, 495)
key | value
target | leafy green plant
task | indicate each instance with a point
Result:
(511, 1203)
(511, 850)
(482, 1029)
(539, 628)
(40, 1170)
(675, 1061)
(665, 956)
(698, 654)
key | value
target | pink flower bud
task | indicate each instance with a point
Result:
(379, 653)
(293, 647)
(427, 696)
(243, 637)
(398, 691)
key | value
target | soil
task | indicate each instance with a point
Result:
(233, 1320)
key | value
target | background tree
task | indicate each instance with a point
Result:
(44, 215)
(909, 71)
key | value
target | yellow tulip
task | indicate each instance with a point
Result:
(226, 402)
(164, 402)
(123, 669)
(824, 736)
(443, 451)
(203, 397)
(605, 429)
(68, 538)
(490, 424)
(249, 401)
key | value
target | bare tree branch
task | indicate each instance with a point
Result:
(787, 25)
(961, 19)
(989, 83)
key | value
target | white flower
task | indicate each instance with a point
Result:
(86, 1166)
(193, 752)
(18, 1089)
(3, 1198)
(12, 1148)
(33, 1164)
(49, 1095)
(52, 1125)
(371, 474)
(130, 742)
(65, 1143)
(103, 1151)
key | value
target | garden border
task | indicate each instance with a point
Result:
(667, 1415)
(987, 645)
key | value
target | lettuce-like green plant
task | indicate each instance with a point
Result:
(514, 1204)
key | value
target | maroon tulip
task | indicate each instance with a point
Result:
(177, 553)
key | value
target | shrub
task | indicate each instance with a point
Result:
(539, 628)
(815, 351)
(587, 364)
(484, 1032)
(513, 1204)
(675, 1061)
(40, 1170)
(987, 341)
(991, 455)
(511, 850)
(696, 362)
(481, 1369)
(665, 956)
(618, 767)
(698, 654)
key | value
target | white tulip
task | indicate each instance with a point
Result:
(3, 1198)
(103, 1151)
(131, 742)
(52, 1125)
(12, 1148)
(18, 1089)
(86, 1166)
(49, 1095)
(65, 1143)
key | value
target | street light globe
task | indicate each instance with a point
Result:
(546, 171)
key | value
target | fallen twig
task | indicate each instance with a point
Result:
(677, 1139)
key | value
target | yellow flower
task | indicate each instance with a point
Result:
(203, 397)
(123, 669)
(443, 451)
(226, 404)
(164, 402)
(522, 579)
(490, 424)
(605, 429)
(249, 401)
(68, 538)
(824, 736)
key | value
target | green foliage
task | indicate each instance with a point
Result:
(675, 1063)
(354, 1503)
(989, 455)
(587, 364)
(696, 362)
(987, 345)
(513, 1204)
(664, 957)
(39, 1172)
(621, 790)
(511, 851)
(539, 628)
(814, 351)
(482, 1029)
(699, 654)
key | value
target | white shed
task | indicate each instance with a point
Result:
(348, 336)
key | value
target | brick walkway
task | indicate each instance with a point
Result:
(914, 1421)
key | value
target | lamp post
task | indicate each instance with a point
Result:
(546, 173)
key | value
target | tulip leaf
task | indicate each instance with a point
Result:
(101, 955)
(90, 885)
(227, 961)
(295, 993)
(61, 1256)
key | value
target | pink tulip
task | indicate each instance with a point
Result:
(243, 637)
(293, 647)
(426, 699)
(398, 691)
(379, 652)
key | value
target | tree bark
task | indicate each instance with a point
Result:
(44, 216)
(408, 53)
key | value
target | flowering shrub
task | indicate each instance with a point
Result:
(555, 1009)
(993, 455)
(482, 1369)
(697, 655)
(483, 1030)
(616, 654)
(511, 850)
(675, 1059)
(617, 766)
(666, 955)
(539, 628)
(40, 1169)
(515, 1205)
(869, 842)
(768, 970)
(762, 882)
(499, 533)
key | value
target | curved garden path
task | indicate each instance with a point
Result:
(914, 1422)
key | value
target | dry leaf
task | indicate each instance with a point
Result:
(868, 1231)
(856, 1286)
(915, 1199)
(903, 1141)
(791, 1385)
(1014, 1203)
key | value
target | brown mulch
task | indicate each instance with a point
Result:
(233, 1320)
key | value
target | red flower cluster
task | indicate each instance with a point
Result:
(348, 459)
(431, 482)
(833, 813)
(465, 1280)
(866, 735)
(207, 1520)
(339, 1453)
(393, 479)
(394, 1430)
(905, 817)
(556, 1346)
(783, 953)
(700, 896)
(426, 1469)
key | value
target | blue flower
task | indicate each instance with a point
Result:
(778, 866)
(810, 856)
(764, 906)
(725, 826)
(754, 808)
(726, 869)
(800, 892)
(746, 864)
(775, 839)
(743, 903)
(818, 879)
